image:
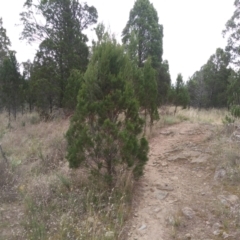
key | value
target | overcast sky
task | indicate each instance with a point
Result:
(192, 28)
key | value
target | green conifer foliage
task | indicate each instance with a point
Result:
(143, 34)
(148, 91)
(103, 134)
(181, 95)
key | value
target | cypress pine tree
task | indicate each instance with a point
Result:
(148, 91)
(104, 130)
(181, 95)
(143, 34)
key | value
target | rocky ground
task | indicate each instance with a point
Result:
(181, 195)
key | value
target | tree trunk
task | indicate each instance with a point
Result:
(145, 116)
(175, 109)
(30, 107)
(9, 114)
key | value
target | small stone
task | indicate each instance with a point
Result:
(174, 178)
(167, 133)
(171, 220)
(232, 199)
(216, 229)
(217, 225)
(156, 210)
(223, 200)
(200, 159)
(165, 187)
(178, 158)
(161, 195)
(135, 215)
(109, 234)
(164, 164)
(216, 232)
(219, 174)
(225, 235)
(142, 227)
(173, 201)
(228, 201)
(188, 212)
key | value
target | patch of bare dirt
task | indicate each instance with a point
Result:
(177, 196)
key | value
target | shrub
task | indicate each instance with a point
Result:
(104, 130)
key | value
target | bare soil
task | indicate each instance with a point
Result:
(177, 198)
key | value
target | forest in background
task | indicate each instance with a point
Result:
(54, 77)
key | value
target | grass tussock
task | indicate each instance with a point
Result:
(225, 164)
(65, 207)
(166, 118)
(211, 116)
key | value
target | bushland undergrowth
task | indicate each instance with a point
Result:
(41, 198)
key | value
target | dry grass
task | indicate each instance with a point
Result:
(226, 157)
(212, 116)
(57, 203)
(53, 201)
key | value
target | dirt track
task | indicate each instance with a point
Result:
(175, 195)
